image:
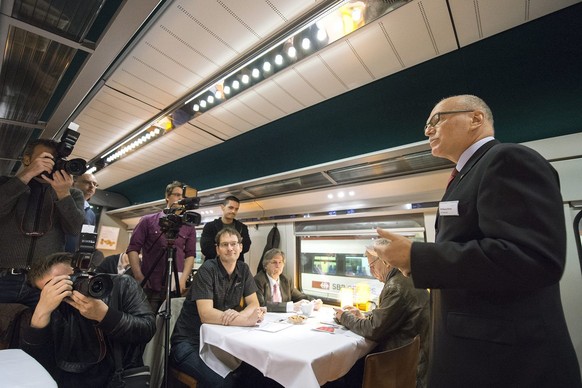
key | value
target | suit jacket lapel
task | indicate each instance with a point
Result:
(466, 168)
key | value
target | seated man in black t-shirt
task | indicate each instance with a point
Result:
(208, 301)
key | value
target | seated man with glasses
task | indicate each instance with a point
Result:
(401, 315)
(87, 183)
(38, 207)
(223, 293)
(148, 239)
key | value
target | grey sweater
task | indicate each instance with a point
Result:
(35, 209)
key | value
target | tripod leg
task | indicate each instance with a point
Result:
(176, 278)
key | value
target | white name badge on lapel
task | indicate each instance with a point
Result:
(449, 208)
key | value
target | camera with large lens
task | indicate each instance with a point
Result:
(95, 286)
(181, 213)
(65, 147)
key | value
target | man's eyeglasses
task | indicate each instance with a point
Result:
(372, 263)
(176, 194)
(436, 118)
(94, 184)
(228, 244)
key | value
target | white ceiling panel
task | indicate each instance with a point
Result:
(272, 91)
(257, 16)
(374, 49)
(295, 8)
(176, 144)
(130, 106)
(480, 19)
(258, 103)
(438, 26)
(181, 53)
(238, 123)
(539, 8)
(215, 125)
(220, 34)
(140, 89)
(195, 138)
(164, 80)
(319, 76)
(252, 116)
(294, 83)
(151, 80)
(164, 53)
(111, 176)
(499, 15)
(208, 129)
(412, 34)
(207, 30)
(94, 128)
(161, 70)
(343, 61)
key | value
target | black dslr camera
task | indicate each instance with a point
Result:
(97, 286)
(73, 167)
(182, 214)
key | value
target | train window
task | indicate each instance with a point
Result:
(331, 254)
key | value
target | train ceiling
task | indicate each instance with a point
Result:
(113, 67)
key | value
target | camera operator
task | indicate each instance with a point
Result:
(37, 209)
(148, 239)
(75, 340)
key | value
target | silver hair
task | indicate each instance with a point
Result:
(381, 241)
(268, 256)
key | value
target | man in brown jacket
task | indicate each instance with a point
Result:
(402, 314)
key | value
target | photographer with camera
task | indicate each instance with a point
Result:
(77, 341)
(149, 239)
(38, 207)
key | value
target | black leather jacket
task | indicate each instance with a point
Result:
(79, 352)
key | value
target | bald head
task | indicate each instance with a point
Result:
(87, 184)
(456, 123)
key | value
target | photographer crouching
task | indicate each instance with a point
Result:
(86, 341)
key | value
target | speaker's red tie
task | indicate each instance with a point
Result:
(453, 175)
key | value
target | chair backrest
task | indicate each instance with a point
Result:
(13, 317)
(395, 368)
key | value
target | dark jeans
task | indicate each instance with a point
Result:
(15, 289)
(186, 357)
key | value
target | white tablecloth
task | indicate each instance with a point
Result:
(296, 357)
(19, 370)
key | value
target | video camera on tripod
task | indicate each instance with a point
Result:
(182, 212)
(97, 286)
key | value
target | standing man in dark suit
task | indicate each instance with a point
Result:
(497, 317)
(87, 183)
(229, 207)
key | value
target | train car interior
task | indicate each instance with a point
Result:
(310, 112)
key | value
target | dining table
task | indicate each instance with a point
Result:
(18, 369)
(303, 355)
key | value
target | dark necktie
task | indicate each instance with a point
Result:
(453, 175)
